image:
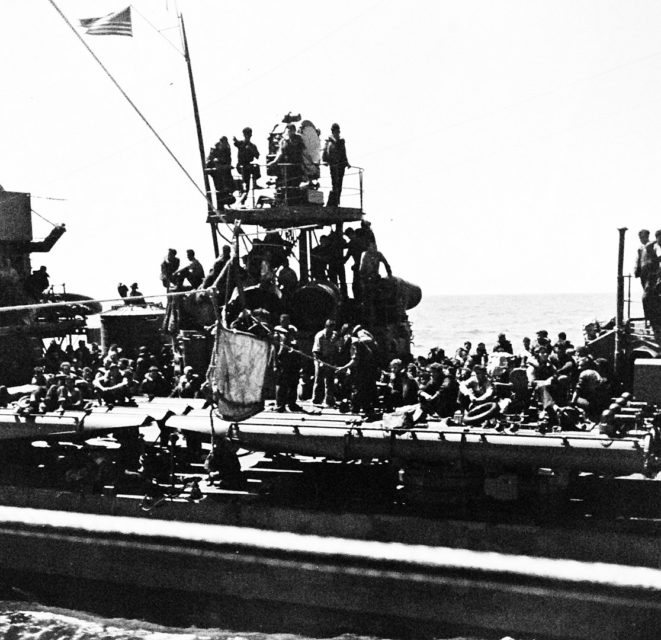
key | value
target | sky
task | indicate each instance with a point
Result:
(503, 143)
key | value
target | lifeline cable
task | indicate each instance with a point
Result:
(172, 295)
(289, 348)
(78, 303)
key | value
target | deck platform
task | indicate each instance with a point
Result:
(283, 216)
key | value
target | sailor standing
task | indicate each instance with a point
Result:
(335, 156)
(288, 366)
(643, 263)
(325, 350)
(247, 154)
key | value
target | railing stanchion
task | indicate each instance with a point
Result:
(619, 317)
(360, 182)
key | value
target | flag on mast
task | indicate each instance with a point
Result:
(114, 24)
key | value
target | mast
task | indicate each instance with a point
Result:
(619, 311)
(200, 142)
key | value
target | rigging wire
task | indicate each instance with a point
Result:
(240, 88)
(43, 218)
(128, 99)
(48, 198)
(159, 31)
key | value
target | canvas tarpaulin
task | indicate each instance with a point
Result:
(237, 373)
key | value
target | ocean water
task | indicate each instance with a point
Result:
(23, 621)
(448, 321)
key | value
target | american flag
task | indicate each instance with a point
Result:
(114, 24)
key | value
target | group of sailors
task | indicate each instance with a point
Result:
(132, 295)
(267, 265)
(74, 379)
(566, 383)
(295, 160)
(343, 369)
(345, 362)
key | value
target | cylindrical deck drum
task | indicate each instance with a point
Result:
(195, 347)
(408, 293)
(258, 298)
(132, 327)
(312, 304)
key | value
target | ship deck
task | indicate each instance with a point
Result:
(338, 479)
(283, 216)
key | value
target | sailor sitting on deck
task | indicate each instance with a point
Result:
(154, 384)
(503, 344)
(188, 385)
(68, 395)
(592, 390)
(137, 294)
(401, 389)
(477, 390)
(111, 387)
(216, 270)
(544, 380)
(193, 271)
(430, 391)
(479, 357)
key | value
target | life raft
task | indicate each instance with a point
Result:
(481, 413)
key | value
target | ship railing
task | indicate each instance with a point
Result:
(310, 191)
(54, 290)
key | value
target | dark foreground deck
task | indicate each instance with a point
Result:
(478, 577)
(210, 575)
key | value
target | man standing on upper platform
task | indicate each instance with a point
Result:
(335, 156)
(248, 152)
(643, 261)
(219, 167)
(289, 159)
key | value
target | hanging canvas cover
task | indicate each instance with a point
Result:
(237, 373)
(311, 149)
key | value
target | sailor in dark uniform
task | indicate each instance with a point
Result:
(335, 156)
(39, 282)
(289, 159)
(288, 366)
(219, 167)
(247, 153)
(169, 267)
(642, 266)
(364, 370)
